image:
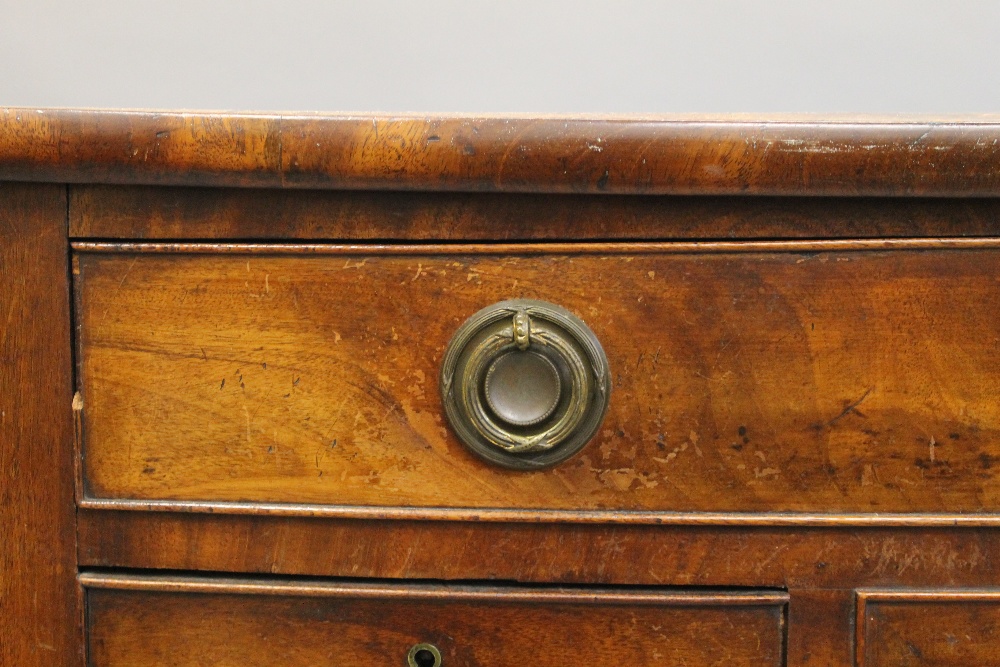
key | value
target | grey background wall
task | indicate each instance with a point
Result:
(572, 56)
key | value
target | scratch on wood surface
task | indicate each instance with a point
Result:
(560, 476)
(850, 408)
(121, 283)
(14, 307)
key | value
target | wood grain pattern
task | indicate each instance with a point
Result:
(945, 628)
(352, 624)
(136, 212)
(74, 146)
(516, 154)
(816, 417)
(821, 628)
(39, 616)
(790, 558)
(778, 380)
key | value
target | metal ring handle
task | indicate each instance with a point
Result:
(525, 384)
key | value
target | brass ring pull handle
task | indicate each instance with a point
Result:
(525, 384)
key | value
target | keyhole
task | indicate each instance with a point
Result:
(424, 655)
(425, 658)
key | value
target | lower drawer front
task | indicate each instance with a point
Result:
(944, 628)
(149, 622)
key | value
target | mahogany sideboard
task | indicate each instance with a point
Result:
(312, 390)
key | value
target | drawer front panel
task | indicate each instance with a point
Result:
(942, 628)
(782, 378)
(188, 623)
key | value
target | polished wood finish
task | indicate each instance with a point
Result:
(494, 154)
(819, 567)
(943, 628)
(773, 557)
(821, 627)
(826, 377)
(176, 622)
(799, 465)
(39, 616)
(137, 212)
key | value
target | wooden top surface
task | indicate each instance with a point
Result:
(626, 155)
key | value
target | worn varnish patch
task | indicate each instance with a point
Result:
(848, 381)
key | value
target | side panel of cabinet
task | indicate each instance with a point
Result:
(39, 613)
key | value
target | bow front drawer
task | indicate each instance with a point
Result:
(814, 378)
(942, 627)
(184, 622)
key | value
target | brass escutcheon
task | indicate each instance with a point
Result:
(525, 384)
(424, 655)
